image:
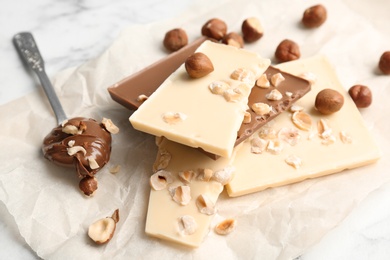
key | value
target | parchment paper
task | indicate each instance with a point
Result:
(280, 223)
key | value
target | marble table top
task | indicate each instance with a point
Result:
(70, 33)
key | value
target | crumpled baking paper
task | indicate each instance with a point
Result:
(279, 223)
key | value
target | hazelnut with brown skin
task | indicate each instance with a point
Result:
(314, 16)
(233, 39)
(329, 101)
(198, 65)
(361, 95)
(214, 28)
(175, 39)
(384, 63)
(251, 29)
(88, 185)
(287, 50)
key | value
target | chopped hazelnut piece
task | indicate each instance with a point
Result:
(187, 225)
(225, 227)
(173, 117)
(294, 161)
(160, 180)
(263, 81)
(276, 79)
(261, 108)
(182, 195)
(205, 205)
(110, 126)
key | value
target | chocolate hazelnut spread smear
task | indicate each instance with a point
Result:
(80, 143)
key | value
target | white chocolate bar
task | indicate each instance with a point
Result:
(185, 110)
(163, 212)
(319, 155)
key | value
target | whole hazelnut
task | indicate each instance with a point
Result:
(88, 185)
(329, 101)
(251, 29)
(198, 65)
(384, 62)
(287, 50)
(175, 39)
(314, 16)
(361, 95)
(233, 39)
(214, 28)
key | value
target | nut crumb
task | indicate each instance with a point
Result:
(186, 176)
(276, 79)
(182, 195)
(71, 143)
(275, 146)
(115, 169)
(205, 205)
(187, 225)
(263, 81)
(224, 176)
(261, 108)
(226, 226)
(325, 132)
(162, 160)
(92, 163)
(247, 118)
(75, 149)
(274, 95)
(232, 95)
(160, 180)
(142, 98)
(294, 161)
(218, 87)
(345, 137)
(243, 75)
(302, 120)
(258, 145)
(110, 126)
(173, 117)
(70, 129)
(205, 174)
(289, 135)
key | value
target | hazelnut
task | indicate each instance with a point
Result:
(314, 16)
(88, 185)
(384, 62)
(198, 65)
(233, 39)
(361, 95)
(175, 39)
(252, 29)
(329, 101)
(287, 50)
(102, 230)
(214, 28)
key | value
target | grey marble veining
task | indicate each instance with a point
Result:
(69, 32)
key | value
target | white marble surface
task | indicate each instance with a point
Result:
(72, 32)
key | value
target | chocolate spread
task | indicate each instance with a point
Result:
(91, 135)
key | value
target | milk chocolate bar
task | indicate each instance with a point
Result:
(128, 91)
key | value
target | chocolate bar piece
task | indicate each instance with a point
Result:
(292, 88)
(129, 91)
